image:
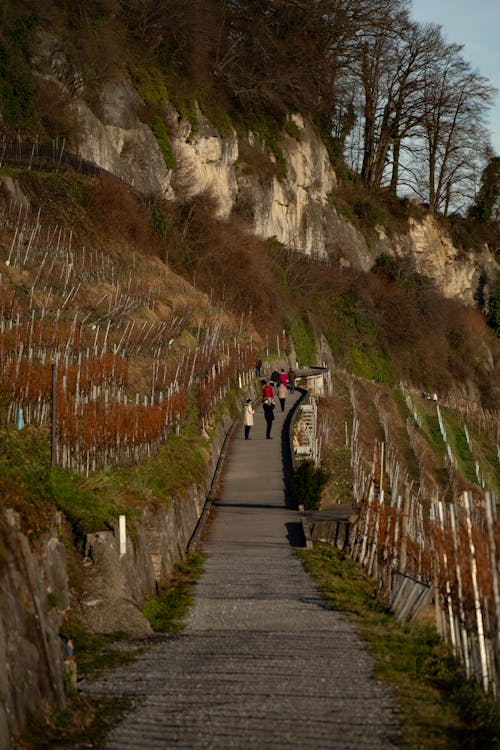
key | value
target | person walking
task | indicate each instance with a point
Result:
(275, 377)
(282, 394)
(268, 406)
(291, 380)
(258, 367)
(249, 411)
(283, 378)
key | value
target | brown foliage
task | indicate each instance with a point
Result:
(226, 261)
(430, 341)
(114, 206)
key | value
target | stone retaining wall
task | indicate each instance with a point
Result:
(35, 596)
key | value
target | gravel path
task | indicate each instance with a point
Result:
(262, 662)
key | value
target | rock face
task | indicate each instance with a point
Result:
(294, 207)
(34, 596)
(110, 134)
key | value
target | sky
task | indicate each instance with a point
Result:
(476, 25)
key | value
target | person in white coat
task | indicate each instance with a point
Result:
(248, 417)
(282, 394)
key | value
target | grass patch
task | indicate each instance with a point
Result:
(94, 653)
(303, 341)
(458, 443)
(32, 489)
(25, 478)
(339, 463)
(167, 610)
(67, 186)
(84, 722)
(440, 708)
(371, 363)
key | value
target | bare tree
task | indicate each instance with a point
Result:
(452, 137)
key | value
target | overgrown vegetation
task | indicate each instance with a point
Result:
(168, 608)
(84, 722)
(35, 491)
(440, 708)
(17, 88)
(307, 483)
(160, 131)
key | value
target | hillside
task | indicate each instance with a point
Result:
(167, 216)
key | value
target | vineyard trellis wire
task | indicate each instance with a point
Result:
(419, 546)
(98, 421)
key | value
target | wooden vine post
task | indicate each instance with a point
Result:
(477, 600)
(494, 562)
(53, 434)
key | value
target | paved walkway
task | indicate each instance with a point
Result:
(262, 663)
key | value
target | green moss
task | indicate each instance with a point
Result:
(354, 316)
(149, 84)
(292, 129)
(85, 504)
(270, 132)
(25, 478)
(28, 484)
(459, 445)
(84, 722)
(160, 131)
(216, 113)
(187, 109)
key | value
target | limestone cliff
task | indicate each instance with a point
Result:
(293, 205)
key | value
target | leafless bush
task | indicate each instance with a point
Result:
(116, 207)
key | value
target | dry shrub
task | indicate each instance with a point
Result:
(255, 160)
(428, 340)
(58, 118)
(120, 212)
(227, 261)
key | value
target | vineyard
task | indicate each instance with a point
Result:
(424, 476)
(105, 349)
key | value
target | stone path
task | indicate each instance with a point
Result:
(262, 663)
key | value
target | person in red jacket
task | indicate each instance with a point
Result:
(268, 392)
(283, 378)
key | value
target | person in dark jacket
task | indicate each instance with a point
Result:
(291, 380)
(269, 416)
(275, 377)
